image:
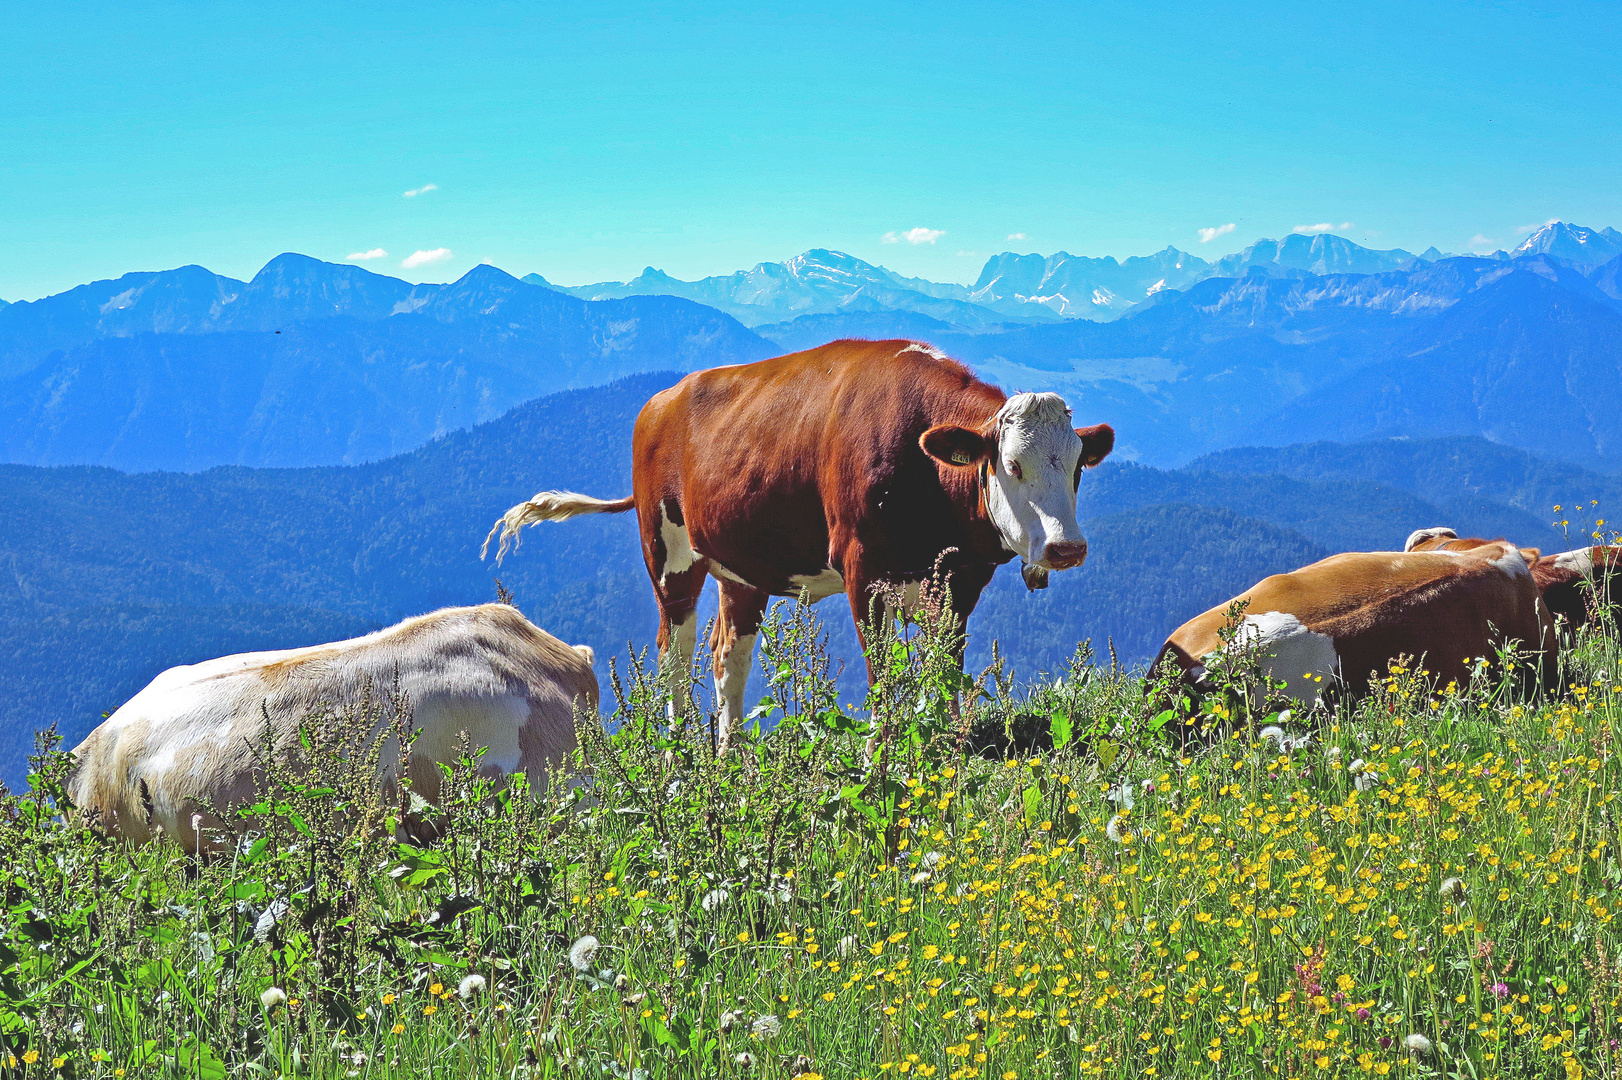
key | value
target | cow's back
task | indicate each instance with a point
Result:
(191, 738)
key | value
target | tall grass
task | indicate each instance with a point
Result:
(1426, 886)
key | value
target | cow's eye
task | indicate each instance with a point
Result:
(1013, 469)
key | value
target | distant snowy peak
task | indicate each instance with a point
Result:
(816, 282)
(1574, 243)
(1077, 286)
(1324, 253)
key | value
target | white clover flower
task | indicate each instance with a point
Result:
(1452, 889)
(766, 1026)
(273, 997)
(1417, 1045)
(583, 953)
(470, 985)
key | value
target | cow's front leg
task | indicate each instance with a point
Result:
(732, 648)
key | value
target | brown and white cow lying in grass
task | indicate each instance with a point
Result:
(192, 739)
(1574, 583)
(1338, 622)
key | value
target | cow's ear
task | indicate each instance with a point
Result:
(1531, 555)
(955, 445)
(1096, 443)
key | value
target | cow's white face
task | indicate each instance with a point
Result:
(1033, 460)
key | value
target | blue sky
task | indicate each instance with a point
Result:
(587, 141)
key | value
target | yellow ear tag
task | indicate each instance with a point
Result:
(961, 457)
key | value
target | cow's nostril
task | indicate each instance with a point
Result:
(1065, 554)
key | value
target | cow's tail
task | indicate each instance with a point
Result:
(548, 506)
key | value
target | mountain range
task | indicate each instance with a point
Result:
(313, 363)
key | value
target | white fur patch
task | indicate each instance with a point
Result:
(1305, 660)
(678, 548)
(1512, 562)
(722, 572)
(927, 349)
(1419, 536)
(818, 586)
(1580, 561)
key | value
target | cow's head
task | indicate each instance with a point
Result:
(1033, 460)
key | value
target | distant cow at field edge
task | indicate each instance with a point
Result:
(190, 738)
(840, 469)
(1332, 624)
(1567, 580)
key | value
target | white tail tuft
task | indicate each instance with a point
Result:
(547, 506)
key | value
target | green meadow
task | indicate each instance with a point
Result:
(965, 877)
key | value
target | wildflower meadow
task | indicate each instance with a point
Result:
(1095, 876)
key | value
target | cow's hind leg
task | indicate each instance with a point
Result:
(732, 647)
(678, 574)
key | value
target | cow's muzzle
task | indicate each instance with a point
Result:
(1064, 555)
(1036, 577)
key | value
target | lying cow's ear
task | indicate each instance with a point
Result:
(1096, 443)
(955, 445)
(1531, 555)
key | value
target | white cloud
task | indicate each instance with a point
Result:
(414, 192)
(1479, 241)
(1522, 230)
(362, 256)
(1207, 235)
(1017, 236)
(423, 258)
(913, 236)
(1323, 227)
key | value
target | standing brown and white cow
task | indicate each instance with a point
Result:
(1332, 624)
(1573, 583)
(839, 469)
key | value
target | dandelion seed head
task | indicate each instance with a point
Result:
(1452, 889)
(583, 953)
(766, 1026)
(470, 985)
(273, 997)
(1417, 1045)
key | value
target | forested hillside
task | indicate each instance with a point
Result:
(111, 577)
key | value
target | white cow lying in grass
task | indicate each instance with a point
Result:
(190, 740)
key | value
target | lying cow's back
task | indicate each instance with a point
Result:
(1350, 615)
(1575, 584)
(189, 739)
